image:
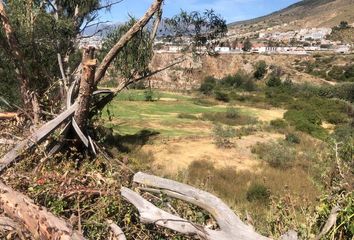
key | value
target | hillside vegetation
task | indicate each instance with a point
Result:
(303, 14)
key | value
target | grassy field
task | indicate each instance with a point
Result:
(171, 115)
(184, 149)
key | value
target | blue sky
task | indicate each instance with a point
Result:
(231, 10)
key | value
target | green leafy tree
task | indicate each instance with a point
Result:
(133, 60)
(247, 45)
(203, 28)
(261, 69)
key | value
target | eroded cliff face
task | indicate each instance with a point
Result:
(189, 74)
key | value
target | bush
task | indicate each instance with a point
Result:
(222, 96)
(231, 113)
(249, 85)
(292, 138)
(204, 102)
(261, 69)
(150, 95)
(306, 121)
(187, 116)
(277, 155)
(273, 81)
(258, 192)
(231, 118)
(223, 136)
(208, 85)
(279, 123)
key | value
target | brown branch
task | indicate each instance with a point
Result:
(37, 220)
(231, 226)
(101, 70)
(14, 50)
(156, 25)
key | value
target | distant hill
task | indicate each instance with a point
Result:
(304, 14)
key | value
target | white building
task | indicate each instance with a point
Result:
(222, 49)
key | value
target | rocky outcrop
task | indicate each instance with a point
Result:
(189, 74)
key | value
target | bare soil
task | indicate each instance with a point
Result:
(173, 156)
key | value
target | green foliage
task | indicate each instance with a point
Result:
(223, 136)
(292, 138)
(247, 45)
(261, 69)
(204, 102)
(221, 95)
(306, 121)
(344, 227)
(208, 85)
(201, 27)
(232, 113)
(151, 95)
(279, 123)
(187, 116)
(9, 88)
(273, 81)
(134, 58)
(258, 192)
(232, 117)
(276, 154)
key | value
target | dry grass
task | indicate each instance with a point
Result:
(232, 186)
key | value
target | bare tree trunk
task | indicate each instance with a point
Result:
(30, 101)
(101, 70)
(38, 221)
(86, 87)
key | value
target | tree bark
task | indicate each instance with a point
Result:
(231, 226)
(37, 220)
(101, 70)
(86, 88)
(30, 100)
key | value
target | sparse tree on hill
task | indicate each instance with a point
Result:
(247, 45)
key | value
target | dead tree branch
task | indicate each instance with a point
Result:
(37, 220)
(101, 70)
(231, 226)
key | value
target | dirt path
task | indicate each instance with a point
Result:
(175, 155)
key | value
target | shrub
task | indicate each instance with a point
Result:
(258, 192)
(249, 85)
(274, 81)
(208, 85)
(306, 121)
(204, 102)
(292, 138)
(277, 155)
(231, 119)
(261, 69)
(222, 96)
(223, 136)
(279, 123)
(231, 113)
(187, 116)
(149, 95)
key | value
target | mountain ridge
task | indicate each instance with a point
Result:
(303, 14)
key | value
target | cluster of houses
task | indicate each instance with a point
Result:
(298, 42)
(306, 34)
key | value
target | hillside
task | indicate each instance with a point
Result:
(304, 14)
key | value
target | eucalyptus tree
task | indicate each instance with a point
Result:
(203, 29)
(40, 38)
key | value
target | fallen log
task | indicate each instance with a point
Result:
(8, 116)
(37, 137)
(6, 142)
(231, 226)
(116, 230)
(37, 220)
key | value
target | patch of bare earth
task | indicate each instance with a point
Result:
(173, 156)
